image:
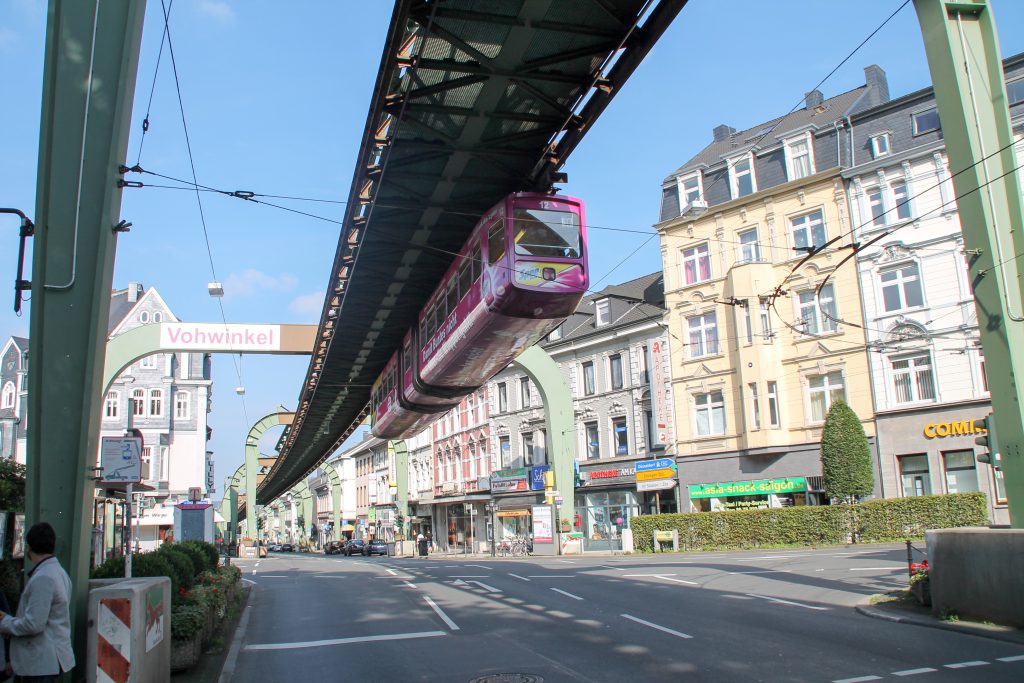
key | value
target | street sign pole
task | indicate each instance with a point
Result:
(128, 534)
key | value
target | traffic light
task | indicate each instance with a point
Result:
(989, 441)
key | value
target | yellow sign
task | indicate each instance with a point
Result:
(940, 430)
(663, 536)
(512, 513)
(652, 475)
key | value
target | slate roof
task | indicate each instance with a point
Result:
(630, 303)
(119, 308)
(22, 342)
(830, 110)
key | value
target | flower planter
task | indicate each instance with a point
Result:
(185, 652)
(922, 591)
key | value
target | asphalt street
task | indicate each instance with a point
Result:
(741, 616)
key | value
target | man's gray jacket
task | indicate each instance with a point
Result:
(41, 630)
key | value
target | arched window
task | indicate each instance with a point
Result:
(138, 402)
(158, 317)
(182, 405)
(144, 317)
(111, 405)
(156, 402)
(7, 399)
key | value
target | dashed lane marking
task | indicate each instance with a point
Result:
(567, 594)
(688, 583)
(858, 679)
(410, 585)
(788, 602)
(1015, 658)
(965, 665)
(440, 612)
(606, 566)
(914, 672)
(391, 571)
(876, 569)
(552, 576)
(273, 576)
(665, 629)
(521, 578)
(342, 641)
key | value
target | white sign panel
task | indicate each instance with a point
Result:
(656, 485)
(121, 459)
(543, 529)
(232, 337)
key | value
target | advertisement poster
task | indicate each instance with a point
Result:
(543, 529)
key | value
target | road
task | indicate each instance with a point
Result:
(742, 616)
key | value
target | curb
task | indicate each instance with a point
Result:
(993, 633)
(227, 672)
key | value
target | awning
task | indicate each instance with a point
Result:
(347, 527)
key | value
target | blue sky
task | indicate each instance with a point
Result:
(275, 98)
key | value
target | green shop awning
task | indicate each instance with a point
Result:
(748, 488)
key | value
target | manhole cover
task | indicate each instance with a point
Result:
(508, 678)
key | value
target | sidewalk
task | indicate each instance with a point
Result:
(906, 610)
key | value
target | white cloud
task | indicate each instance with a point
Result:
(251, 281)
(308, 304)
(217, 9)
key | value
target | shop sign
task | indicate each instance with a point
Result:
(656, 485)
(516, 479)
(941, 430)
(601, 476)
(661, 407)
(657, 464)
(512, 513)
(537, 476)
(371, 514)
(543, 529)
(749, 488)
(652, 475)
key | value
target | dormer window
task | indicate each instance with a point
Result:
(925, 121)
(741, 176)
(603, 314)
(690, 189)
(555, 334)
(799, 157)
(880, 145)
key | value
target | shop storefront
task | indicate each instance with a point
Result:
(515, 492)
(930, 452)
(461, 526)
(748, 495)
(606, 501)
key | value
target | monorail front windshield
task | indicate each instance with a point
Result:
(546, 234)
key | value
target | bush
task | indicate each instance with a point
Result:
(111, 568)
(143, 564)
(187, 620)
(845, 455)
(888, 519)
(181, 562)
(198, 557)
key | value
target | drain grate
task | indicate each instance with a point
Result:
(508, 678)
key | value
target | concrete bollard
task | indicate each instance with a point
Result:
(129, 631)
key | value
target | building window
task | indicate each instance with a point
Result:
(801, 162)
(182, 405)
(912, 378)
(823, 390)
(703, 335)
(880, 145)
(524, 391)
(774, 416)
(710, 413)
(110, 405)
(925, 121)
(604, 312)
(615, 369)
(689, 190)
(984, 377)
(741, 176)
(1015, 92)
(138, 403)
(149, 362)
(502, 398)
(505, 450)
(156, 402)
(748, 324)
(527, 449)
(589, 381)
(766, 322)
(620, 436)
(914, 475)
(158, 317)
(593, 441)
(876, 205)
(540, 450)
(818, 312)
(755, 405)
(147, 460)
(555, 334)
(901, 200)
(7, 400)
(750, 248)
(696, 264)
(144, 317)
(901, 288)
(999, 485)
(961, 472)
(808, 230)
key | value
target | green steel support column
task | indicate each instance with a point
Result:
(91, 62)
(963, 55)
(558, 418)
(252, 462)
(402, 480)
(302, 494)
(231, 487)
(335, 477)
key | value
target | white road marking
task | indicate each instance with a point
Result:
(738, 597)
(645, 576)
(652, 625)
(480, 566)
(469, 576)
(566, 561)
(251, 583)
(327, 576)
(1015, 658)
(440, 613)
(875, 569)
(570, 595)
(523, 578)
(273, 576)
(552, 576)
(765, 571)
(964, 665)
(618, 569)
(343, 641)
(391, 571)
(689, 583)
(410, 585)
(914, 672)
(858, 679)
(788, 602)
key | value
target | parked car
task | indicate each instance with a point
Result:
(375, 547)
(333, 547)
(287, 548)
(354, 547)
(274, 547)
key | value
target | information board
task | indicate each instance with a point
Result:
(543, 529)
(121, 459)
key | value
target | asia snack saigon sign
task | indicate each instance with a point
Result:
(656, 475)
(516, 479)
(749, 488)
(231, 337)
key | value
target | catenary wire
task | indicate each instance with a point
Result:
(152, 88)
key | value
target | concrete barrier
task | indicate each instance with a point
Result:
(129, 631)
(978, 573)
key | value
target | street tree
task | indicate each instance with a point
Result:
(845, 455)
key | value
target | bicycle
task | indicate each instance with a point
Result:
(521, 547)
(505, 548)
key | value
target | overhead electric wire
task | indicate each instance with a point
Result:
(152, 88)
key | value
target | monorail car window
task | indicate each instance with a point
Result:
(431, 326)
(453, 294)
(406, 358)
(465, 279)
(546, 233)
(496, 241)
(475, 263)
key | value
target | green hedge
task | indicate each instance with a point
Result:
(888, 519)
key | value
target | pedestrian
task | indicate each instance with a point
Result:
(421, 541)
(41, 630)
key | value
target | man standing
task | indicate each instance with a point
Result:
(41, 630)
(421, 541)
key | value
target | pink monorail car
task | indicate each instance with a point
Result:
(522, 271)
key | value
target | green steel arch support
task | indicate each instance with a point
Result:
(229, 504)
(402, 480)
(304, 495)
(252, 462)
(335, 477)
(558, 419)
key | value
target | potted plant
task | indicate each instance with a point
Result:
(187, 624)
(564, 526)
(920, 583)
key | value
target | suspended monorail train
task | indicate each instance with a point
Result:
(522, 271)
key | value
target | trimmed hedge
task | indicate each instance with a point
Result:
(184, 568)
(888, 519)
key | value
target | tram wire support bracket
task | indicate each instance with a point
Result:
(26, 230)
